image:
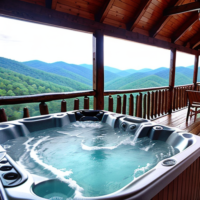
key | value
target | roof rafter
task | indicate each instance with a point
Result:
(194, 40)
(138, 14)
(163, 20)
(197, 47)
(190, 7)
(184, 27)
(48, 3)
(54, 3)
(103, 13)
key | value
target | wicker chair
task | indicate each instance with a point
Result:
(194, 103)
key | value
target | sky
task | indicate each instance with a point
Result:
(24, 41)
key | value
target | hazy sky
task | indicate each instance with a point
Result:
(23, 41)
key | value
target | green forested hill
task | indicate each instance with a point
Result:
(15, 84)
(153, 81)
(41, 75)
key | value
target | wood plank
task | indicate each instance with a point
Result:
(74, 11)
(98, 70)
(101, 15)
(138, 14)
(163, 20)
(29, 12)
(194, 6)
(176, 35)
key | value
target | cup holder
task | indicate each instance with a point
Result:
(4, 161)
(11, 176)
(6, 168)
(187, 135)
(53, 189)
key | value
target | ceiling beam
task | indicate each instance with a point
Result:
(184, 27)
(197, 47)
(99, 17)
(38, 14)
(190, 7)
(193, 41)
(138, 14)
(48, 3)
(163, 20)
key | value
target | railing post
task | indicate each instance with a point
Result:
(196, 63)
(171, 78)
(63, 106)
(98, 70)
(3, 117)
(26, 113)
(43, 108)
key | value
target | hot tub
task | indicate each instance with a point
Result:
(121, 157)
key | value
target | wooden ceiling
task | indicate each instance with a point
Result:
(166, 20)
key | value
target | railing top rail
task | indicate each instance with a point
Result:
(183, 85)
(113, 92)
(44, 97)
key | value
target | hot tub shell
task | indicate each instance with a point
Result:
(144, 187)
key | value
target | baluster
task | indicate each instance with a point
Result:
(43, 108)
(86, 102)
(63, 106)
(152, 104)
(174, 99)
(140, 105)
(159, 102)
(148, 104)
(26, 113)
(156, 104)
(124, 104)
(178, 98)
(3, 117)
(119, 103)
(110, 103)
(182, 97)
(131, 105)
(167, 99)
(185, 97)
(162, 102)
(76, 104)
(137, 104)
(144, 106)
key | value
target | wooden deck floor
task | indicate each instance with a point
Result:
(178, 119)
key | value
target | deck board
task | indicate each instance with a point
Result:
(178, 120)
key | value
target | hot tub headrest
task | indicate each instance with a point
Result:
(90, 115)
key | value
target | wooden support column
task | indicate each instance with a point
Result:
(171, 78)
(98, 70)
(196, 63)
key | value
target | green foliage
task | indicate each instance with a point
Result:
(40, 75)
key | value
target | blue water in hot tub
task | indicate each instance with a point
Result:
(92, 157)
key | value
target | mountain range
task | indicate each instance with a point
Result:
(34, 77)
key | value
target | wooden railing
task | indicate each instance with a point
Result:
(42, 98)
(148, 103)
